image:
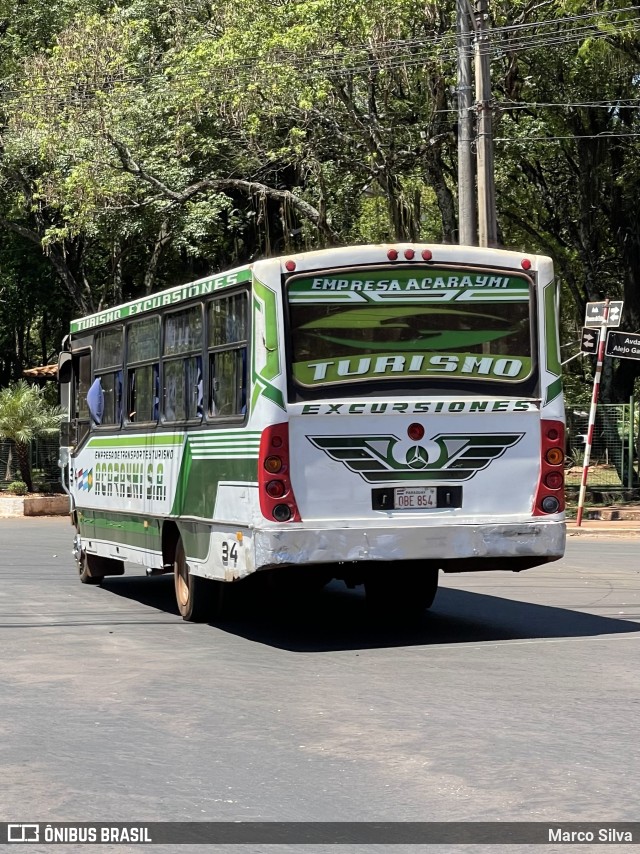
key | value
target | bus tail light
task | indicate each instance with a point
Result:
(550, 492)
(277, 501)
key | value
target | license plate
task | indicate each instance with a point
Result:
(415, 497)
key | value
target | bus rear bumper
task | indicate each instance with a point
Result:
(458, 548)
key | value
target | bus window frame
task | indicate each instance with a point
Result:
(237, 419)
(98, 374)
(127, 423)
(181, 309)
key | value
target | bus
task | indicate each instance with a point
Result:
(371, 414)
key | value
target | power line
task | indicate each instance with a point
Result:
(524, 140)
(591, 105)
(345, 62)
(510, 106)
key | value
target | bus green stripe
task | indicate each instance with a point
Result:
(136, 441)
(131, 531)
(214, 438)
(123, 530)
(551, 336)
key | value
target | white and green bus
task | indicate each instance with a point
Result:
(374, 414)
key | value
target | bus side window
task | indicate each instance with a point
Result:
(182, 365)
(108, 366)
(112, 389)
(143, 370)
(227, 321)
(228, 382)
(142, 393)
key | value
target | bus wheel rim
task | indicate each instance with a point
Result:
(182, 582)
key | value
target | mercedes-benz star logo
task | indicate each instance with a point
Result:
(417, 457)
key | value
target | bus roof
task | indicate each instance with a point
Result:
(169, 297)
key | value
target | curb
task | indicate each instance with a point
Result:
(14, 506)
(605, 531)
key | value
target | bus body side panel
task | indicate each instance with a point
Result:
(125, 487)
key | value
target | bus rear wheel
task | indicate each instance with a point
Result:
(198, 599)
(397, 593)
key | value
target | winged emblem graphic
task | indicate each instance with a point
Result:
(458, 456)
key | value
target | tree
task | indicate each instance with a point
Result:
(137, 155)
(24, 415)
(568, 169)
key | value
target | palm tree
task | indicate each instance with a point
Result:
(25, 414)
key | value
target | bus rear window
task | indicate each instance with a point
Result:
(404, 324)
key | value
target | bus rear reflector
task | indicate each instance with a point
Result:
(277, 501)
(549, 496)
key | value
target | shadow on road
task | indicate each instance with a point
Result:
(337, 619)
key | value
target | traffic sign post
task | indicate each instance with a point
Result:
(590, 340)
(606, 313)
(603, 318)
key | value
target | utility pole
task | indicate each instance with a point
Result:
(487, 223)
(467, 222)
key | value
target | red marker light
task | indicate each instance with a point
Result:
(525, 264)
(275, 489)
(554, 480)
(427, 255)
(392, 255)
(415, 432)
(290, 265)
(409, 254)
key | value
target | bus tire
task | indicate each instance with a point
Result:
(197, 598)
(87, 570)
(93, 568)
(401, 595)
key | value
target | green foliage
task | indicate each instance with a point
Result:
(17, 487)
(24, 415)
(125, 127)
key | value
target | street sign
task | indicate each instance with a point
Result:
(594, 315)
(590, 340)
(624, 345)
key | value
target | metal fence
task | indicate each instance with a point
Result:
(614, 452)
(44, 463)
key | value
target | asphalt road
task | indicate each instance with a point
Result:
(515, 699)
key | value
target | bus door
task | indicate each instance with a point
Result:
(74, 376)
